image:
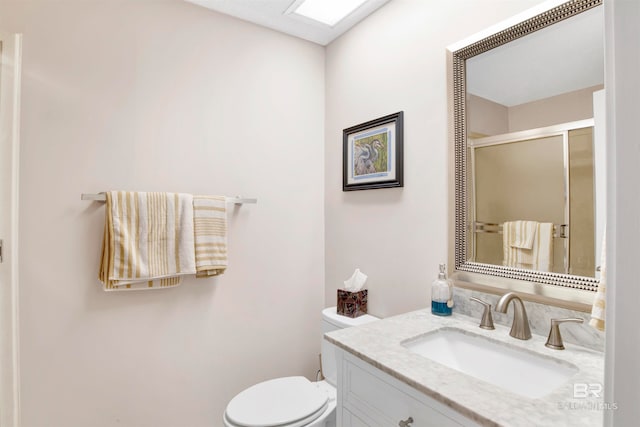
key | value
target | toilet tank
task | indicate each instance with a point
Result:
(332, 321)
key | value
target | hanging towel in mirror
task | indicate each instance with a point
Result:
(538, 257)
(148, 240)
(522, 233)
(210, 227)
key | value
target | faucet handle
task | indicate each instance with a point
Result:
(555, 339)
(487, 320)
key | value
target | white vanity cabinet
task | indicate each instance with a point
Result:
(369, 397)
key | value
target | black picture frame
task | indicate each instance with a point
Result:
(372, 154)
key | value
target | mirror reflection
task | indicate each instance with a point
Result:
(533, 107)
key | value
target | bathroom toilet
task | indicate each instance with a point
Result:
(294, 401)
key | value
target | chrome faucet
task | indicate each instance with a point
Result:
(520, 327)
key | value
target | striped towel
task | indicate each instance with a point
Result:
(210, 228)
(148, 240)
(522, 233)
(538, 257)
(598, 309)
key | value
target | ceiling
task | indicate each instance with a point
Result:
(271, 14)
(561, 58)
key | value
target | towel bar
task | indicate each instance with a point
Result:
(101, 197)
(560, 231)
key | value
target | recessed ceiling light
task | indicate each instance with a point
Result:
(328, 12)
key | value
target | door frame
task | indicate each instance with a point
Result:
(10, 84)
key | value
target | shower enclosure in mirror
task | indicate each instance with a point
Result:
(528, 103)
(546, 175)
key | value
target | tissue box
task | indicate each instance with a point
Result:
(352, 304)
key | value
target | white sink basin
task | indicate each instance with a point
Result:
(505, 366)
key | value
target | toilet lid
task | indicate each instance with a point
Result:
(277, 402)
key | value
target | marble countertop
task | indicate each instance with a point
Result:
(379, 344)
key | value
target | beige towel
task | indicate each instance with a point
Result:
(538, 257)
(522, 234)
(148, 240)
(598, 310)
(210, 227)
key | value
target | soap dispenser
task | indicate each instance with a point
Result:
(442, 294)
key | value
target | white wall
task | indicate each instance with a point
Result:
(485, 118)
(164, 96)
(185, 100)
(568, 107)
(622, 41)
(396, 60)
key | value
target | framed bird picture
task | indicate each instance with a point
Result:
(372, 154)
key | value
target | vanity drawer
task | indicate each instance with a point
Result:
(368, 395)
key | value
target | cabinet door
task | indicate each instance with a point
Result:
(371, 397)
(350, 420)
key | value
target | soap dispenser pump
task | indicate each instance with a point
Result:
(442, 294)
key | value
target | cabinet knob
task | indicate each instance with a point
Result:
(406, 423)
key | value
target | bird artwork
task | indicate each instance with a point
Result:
(370, 155)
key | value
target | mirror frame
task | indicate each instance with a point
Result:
(496, 278)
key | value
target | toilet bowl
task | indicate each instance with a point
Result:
(294, 401)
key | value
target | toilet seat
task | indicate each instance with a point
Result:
(281, 402)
